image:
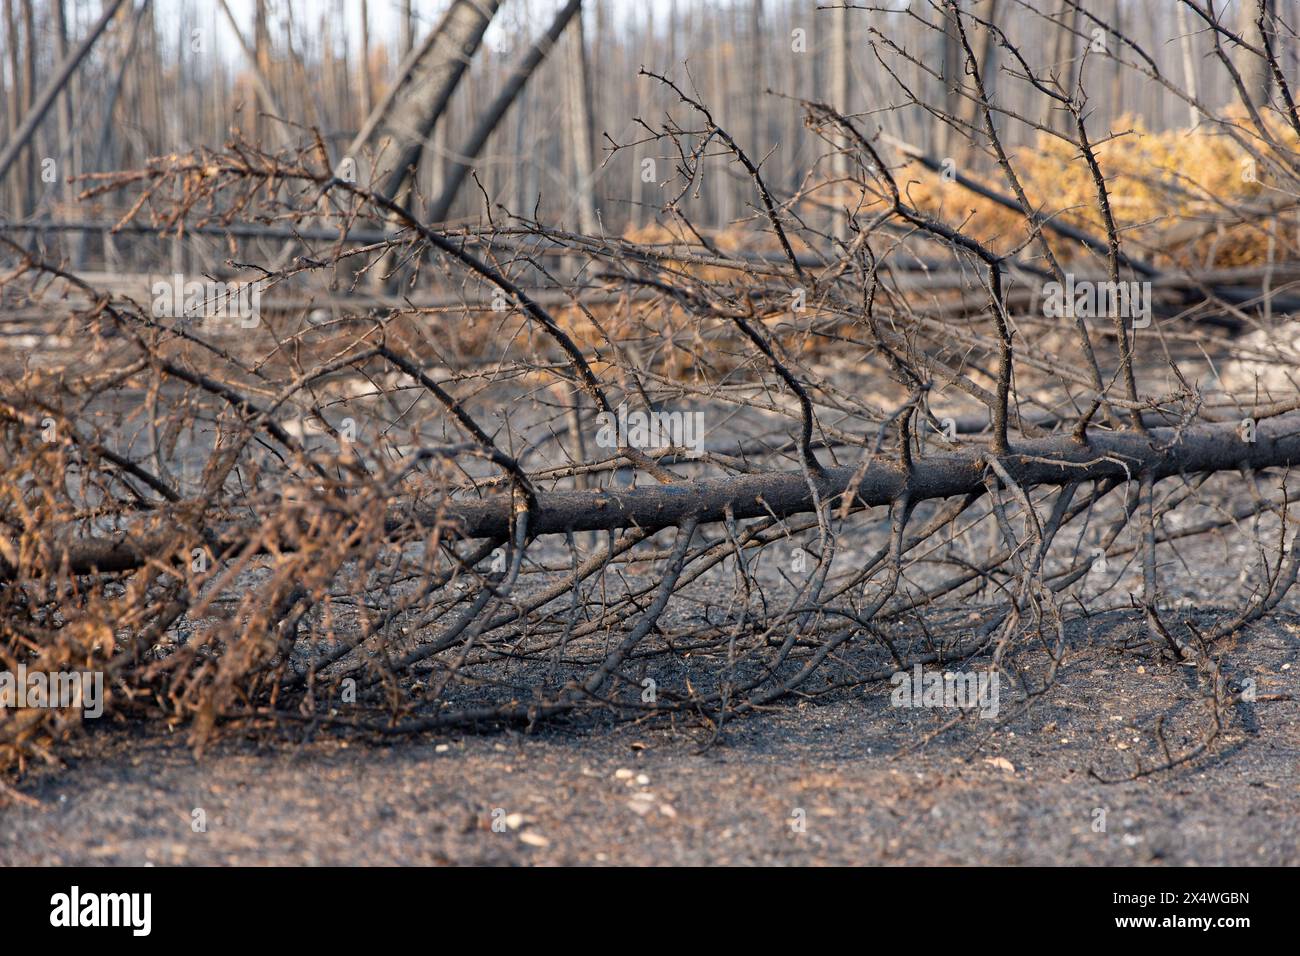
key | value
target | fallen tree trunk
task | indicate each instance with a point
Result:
(1056, 460)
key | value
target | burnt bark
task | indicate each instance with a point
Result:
(1052, 461)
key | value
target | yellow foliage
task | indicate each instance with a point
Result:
(1172, 195)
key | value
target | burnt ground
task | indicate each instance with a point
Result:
(1018, 790)
(861, 776)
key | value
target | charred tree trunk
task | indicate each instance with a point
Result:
(397, 128)
(469, 151)
(57, 81)
(580, 127)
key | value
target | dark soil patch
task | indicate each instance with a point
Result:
(665, 793)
